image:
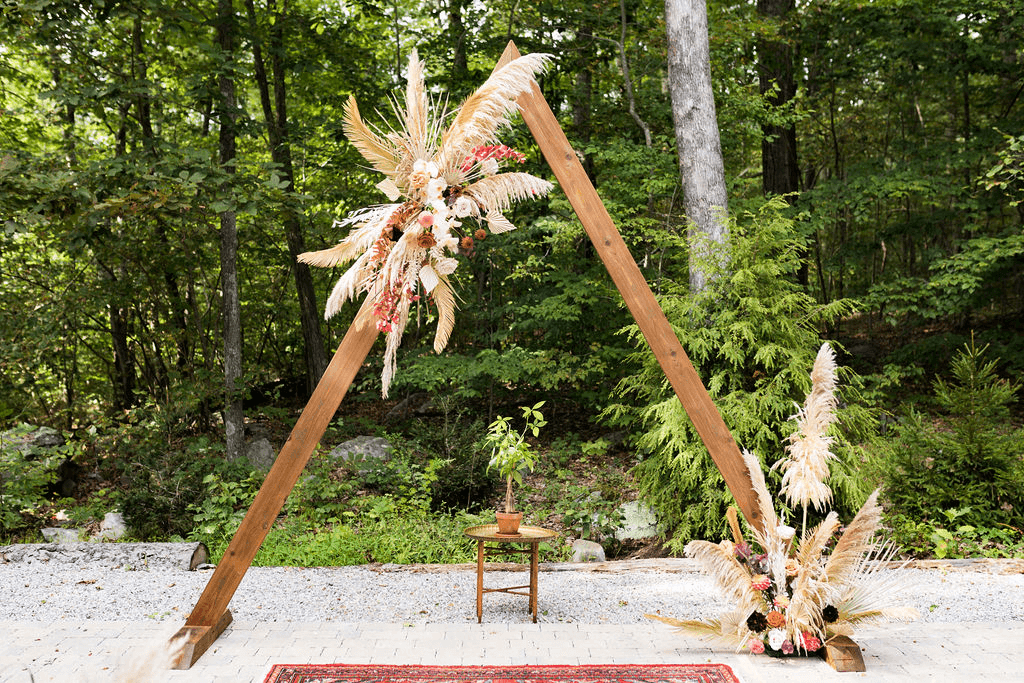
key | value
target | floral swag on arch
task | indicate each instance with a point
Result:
(443, 177)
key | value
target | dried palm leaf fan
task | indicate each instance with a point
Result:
(437, 178)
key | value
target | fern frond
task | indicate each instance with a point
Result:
(855, 543)
(719, 561)
(500, 192)
(764, 499)
(381, 152)
(328, 258)
(814, 543)
(444, 299)
(487, 109)
(416, 103)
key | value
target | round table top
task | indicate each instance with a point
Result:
(527, 534)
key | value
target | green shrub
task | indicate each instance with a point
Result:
(752, 337)
(967, 457)
(25, 475)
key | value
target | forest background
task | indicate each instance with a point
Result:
(874, 156)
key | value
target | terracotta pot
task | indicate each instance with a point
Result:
(508, 523)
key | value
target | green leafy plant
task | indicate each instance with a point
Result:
(967, 458)
(25, 474)
(511, 453)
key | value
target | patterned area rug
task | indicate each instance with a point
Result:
(611, 673)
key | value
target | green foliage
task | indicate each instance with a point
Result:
(222, 507)
(163, 475)
(25, 474)
(407, 479)
(945, 539)
(379, 530)
(969, 457)
(464, 480)
(511, 453)
(1008, 173)
(752, 337)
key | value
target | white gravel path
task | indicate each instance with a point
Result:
(389, 594)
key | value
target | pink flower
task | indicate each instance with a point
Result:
(810, 643)
(756, 646)
(426, 219)
(787, 648)
(760, 582)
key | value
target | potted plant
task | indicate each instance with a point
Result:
(511, 455)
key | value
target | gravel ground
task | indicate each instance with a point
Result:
(389, 594)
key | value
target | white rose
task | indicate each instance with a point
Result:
(776, 638)
(463, 207)
(786, 533)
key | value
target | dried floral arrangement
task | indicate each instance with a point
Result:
(436, 177)
(792, 596)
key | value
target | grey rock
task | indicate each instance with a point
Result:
(415, 404)
(362, 451)
(54, 534)
(45, 437)
(112, 528)
(587, 551)
(638, 522)
(261, 454)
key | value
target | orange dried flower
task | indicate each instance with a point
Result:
(427, 240)
(480, 235)
(776, 619)
(466, 243)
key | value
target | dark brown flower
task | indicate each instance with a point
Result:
(829, 614)
(756, 622)
(427, 240)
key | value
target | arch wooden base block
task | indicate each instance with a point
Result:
(198, 640)
(843, 654)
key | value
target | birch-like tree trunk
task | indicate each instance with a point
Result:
(234, 416)
(693, 111)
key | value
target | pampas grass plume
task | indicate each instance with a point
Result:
(806, 467)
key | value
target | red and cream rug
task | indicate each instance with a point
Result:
(592, 673)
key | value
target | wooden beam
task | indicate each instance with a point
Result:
(323, 404)
(198, 640)
(637, 293)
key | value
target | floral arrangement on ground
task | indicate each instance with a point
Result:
(793, 596)
(444, 176)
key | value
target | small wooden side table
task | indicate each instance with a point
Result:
(503, 545)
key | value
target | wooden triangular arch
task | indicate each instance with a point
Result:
(211, 616)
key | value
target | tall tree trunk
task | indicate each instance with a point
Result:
(780, 172)
(275, 114)
(693, 111)
(457, 32)
(234, 417)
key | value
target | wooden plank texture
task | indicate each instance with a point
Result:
(285, 472)
(198, 640)
(843, 654)
(637, 293)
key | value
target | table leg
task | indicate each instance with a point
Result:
(479, 581)
(533, 579)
